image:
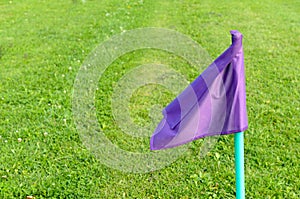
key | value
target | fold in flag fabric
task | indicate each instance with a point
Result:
(213, 104)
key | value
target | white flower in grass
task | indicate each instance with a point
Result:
(45, 134)
(122, 29)
(19, 139)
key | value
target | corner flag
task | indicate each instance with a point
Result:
(213, 104)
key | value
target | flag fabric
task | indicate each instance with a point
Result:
(213, 104)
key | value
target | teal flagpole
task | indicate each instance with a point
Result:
(239, 165)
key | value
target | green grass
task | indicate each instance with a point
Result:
(44, 43)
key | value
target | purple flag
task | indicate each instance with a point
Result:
(213, 104)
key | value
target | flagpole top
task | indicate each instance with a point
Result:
(236, 35)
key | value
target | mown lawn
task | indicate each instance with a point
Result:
(42, 47)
